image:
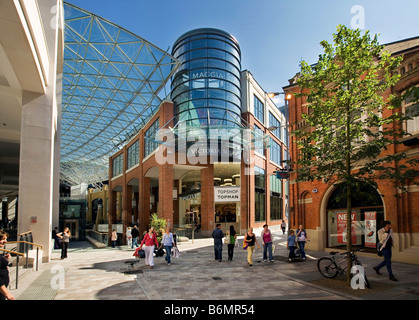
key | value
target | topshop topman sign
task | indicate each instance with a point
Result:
(226, 194)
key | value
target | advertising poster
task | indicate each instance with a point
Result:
(370, 229)
(342, 227)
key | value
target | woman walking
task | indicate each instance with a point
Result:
(267, 240)
(168, 244)
(232, 241)
(150, 242)
(4, 270)
(301, 237)
(114, 238)
(250, 239)
(65, 240)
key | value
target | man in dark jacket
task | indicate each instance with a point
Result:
(218, 236)
(135, 233)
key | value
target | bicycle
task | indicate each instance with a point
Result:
(331, 267)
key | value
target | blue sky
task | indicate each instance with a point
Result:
(274, 35)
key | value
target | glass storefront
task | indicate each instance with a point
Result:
(227, 183)
(367, 215)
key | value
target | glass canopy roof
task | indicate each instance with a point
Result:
(111, 83)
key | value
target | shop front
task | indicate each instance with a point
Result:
(367, 216)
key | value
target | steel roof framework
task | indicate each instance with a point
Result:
(111, 82)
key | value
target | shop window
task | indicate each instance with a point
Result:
(367, 216)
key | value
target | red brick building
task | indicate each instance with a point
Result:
(311, 202)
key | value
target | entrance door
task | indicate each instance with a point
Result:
(73, 225)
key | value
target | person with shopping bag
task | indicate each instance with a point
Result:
(150, 242)
(168, 243)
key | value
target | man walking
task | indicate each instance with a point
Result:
(135, 233)
(218, 236)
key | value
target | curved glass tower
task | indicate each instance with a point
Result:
(206, 87)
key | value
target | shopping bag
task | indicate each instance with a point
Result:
(176, 253)
(139, 253)
(245, 245)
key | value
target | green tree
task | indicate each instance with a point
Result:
(159, 225)
(350, 122)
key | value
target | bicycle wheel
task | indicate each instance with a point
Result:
(327, 267)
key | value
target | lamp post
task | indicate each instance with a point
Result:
(288, 97)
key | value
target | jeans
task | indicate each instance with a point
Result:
(64, 246)
(218, 251)
(267, 247)
(168, 253)
(301, 244)
(291, 254)
(134, 242)
(230, 248)
(387, 261)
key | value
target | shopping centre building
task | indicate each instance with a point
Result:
(83, 103)
(210, 153)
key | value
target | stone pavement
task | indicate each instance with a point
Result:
(114, 274)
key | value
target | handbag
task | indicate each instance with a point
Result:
(227, 239)
(139, 253)
(245, 245)
(379, 248)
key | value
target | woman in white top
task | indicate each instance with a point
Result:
(129, 237)
(167, 243)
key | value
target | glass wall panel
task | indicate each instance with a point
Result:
(259, 194)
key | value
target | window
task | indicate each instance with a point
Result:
(259, 194)
(411, 109)
(133, 154)
(259, 110)
(275, 152)
(150, 143)
(276, 199)
(274, 122)
(259, 140)
(118, 165)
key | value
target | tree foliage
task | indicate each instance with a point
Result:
(351, 120)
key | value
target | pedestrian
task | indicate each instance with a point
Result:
(301, 237)
(150, 242)
(385, 238)
(57, 244)
(291, 245)
(168, 243)
(232, 237)
(129, 237)
(283, 226)
(218, 236)
(114, 237)
(267, 240)
(135, 234)
(4, 270)
(250, 239)
(65, 240)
